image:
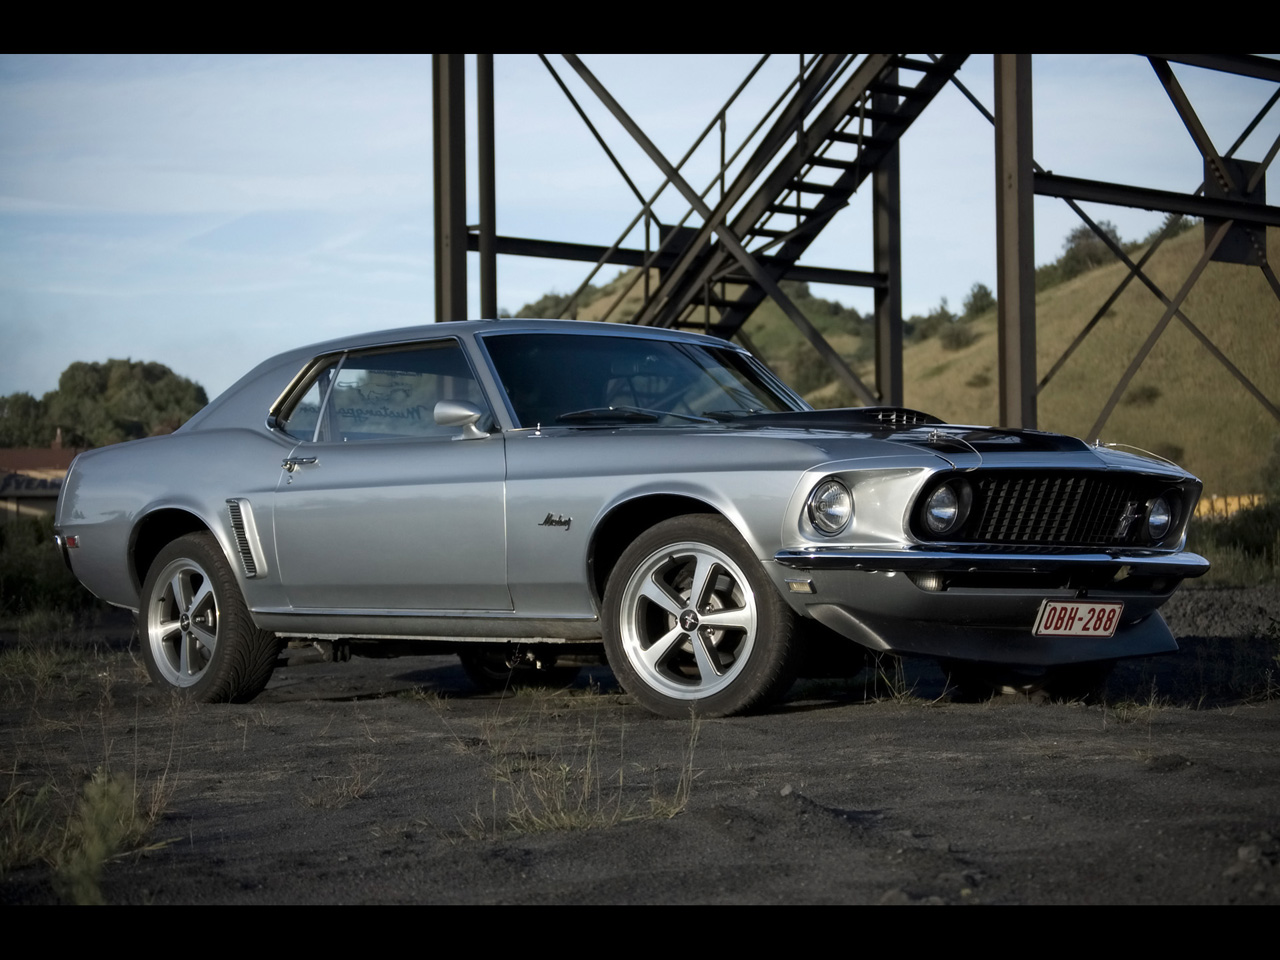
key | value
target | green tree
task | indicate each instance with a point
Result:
(24, 422)
(978, 302)
(1081, 251)
(100, 403)
(918, 328)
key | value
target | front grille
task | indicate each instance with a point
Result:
(1059, 509)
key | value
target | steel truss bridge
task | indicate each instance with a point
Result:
(834, 130)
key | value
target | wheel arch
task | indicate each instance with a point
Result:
(155, 531)
(626, 521)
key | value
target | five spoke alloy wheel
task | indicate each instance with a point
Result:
(182, 622)
(197, 635)
(693, 623)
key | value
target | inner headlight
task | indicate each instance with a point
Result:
(1159, 518)
(830, 507)
(947, 508)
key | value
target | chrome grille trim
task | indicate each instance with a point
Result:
(1062, 509)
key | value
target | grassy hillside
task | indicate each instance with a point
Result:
(1182, 403)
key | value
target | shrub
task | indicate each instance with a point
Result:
(32, 574)
(957, 336)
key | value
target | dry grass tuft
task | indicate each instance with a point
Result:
(551, 779)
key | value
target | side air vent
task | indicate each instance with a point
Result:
(245, 532)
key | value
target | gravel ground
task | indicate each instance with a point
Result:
(393, 781)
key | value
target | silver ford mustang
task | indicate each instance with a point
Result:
(570, 483)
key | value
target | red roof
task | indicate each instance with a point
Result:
(19, 459)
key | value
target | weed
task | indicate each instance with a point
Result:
(28, 828)
(423, 695)
(35, 669)
(104, 821)
(336, 792)
(664, 807)
(889, 677)
(565, 781)
(112, 815)
(1134, 711)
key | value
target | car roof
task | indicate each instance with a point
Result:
(247, 400)
(502, 325)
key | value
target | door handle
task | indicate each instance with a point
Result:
(292, 463)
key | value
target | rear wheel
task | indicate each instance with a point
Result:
(692, 623)
(197, 636)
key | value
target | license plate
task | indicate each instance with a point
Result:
(1077, 618)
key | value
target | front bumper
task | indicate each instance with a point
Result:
(967, 605)
(1144, 563)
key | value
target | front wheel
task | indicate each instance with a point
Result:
(197, 636)
(692, 623)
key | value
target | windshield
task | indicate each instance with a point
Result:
(573, 378)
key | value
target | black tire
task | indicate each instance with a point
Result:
(197, 636)
(490, 669)
(717, 648)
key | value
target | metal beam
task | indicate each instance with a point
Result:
(1015, 249)
(582, 114)
(488, 196)
(727, 238)
(1170, 310)
(1241, 64)
(886, 230)
(1182, 103)
(448, 75)
(632, 257)
(1145, 198)
(1135, 270)
(792, 116)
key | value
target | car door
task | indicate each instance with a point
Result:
(379, 508)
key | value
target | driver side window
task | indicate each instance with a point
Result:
(385, 394)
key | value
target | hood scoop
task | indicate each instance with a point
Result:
(905, 425)
(879, 420)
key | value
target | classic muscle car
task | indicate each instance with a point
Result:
(572, 483)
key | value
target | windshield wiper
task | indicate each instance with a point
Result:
(617, 414)
(723, 415)
(625, 415)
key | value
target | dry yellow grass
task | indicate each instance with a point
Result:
(1181, 402)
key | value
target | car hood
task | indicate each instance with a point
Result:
(912, 428)
(815, 436)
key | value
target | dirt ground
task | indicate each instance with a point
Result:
(394, 781)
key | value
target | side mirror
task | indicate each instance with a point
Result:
(460, 413)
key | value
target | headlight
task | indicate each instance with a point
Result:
(830, 507)
(947, 508)
(1159, 518)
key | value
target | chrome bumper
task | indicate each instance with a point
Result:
(1178, 566)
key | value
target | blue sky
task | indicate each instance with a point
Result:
(209, 211)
